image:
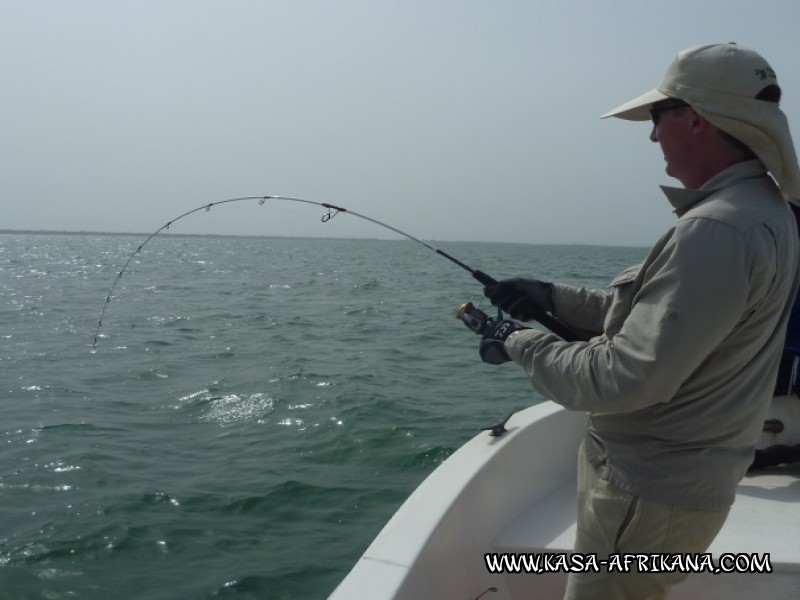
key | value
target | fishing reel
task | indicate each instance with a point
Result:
(477, 320)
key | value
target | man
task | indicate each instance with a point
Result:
(678, 379)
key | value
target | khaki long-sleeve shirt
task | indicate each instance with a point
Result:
(678, 385)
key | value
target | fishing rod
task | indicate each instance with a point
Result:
(470, 316)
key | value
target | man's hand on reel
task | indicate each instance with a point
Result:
(492, 346)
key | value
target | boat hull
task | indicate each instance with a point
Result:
(434, 546)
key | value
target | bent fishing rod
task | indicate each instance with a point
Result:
(548, 321)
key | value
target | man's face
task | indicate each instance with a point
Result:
(672, 120)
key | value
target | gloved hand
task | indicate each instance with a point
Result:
(492, 347)
(520, 297)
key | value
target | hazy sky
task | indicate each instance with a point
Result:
(451, 120)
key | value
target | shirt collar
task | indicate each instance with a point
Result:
(682, 199)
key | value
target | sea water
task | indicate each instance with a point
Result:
(253, 413)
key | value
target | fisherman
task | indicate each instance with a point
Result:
(679, 375)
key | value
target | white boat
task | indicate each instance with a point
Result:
(516, 493)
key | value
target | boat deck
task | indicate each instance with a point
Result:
(766, 508)
(765, 511)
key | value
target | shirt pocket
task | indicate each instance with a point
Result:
(623, 291)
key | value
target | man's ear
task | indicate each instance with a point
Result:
(698, 124)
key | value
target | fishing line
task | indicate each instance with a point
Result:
(551, 323)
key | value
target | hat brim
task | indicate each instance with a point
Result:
(637, 109)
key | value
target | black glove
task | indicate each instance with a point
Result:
(521, 298)
(492, 347)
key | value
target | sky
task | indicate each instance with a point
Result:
(450, 120)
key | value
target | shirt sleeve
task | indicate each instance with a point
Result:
(693, 294)
(580, 308)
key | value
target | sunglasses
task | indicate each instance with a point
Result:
(655, 112)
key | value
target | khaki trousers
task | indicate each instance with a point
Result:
(611, 520)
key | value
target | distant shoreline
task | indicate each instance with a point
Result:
(281, 237)
(57, 232)
(161, 234)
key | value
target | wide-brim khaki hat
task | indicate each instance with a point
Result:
(721, 82)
